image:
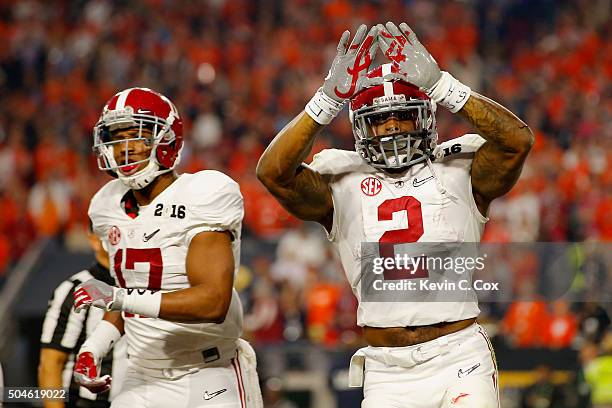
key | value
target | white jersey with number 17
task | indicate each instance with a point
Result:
(149, 252)
(373, 206)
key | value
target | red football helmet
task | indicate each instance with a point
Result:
(139, 108)
(392, 97)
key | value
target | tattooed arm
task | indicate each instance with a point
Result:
(304, 193)
(498, 163)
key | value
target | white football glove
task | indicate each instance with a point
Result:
(351, 64)
(415, 63)
(96, 293)
(402, 47)
(347, 75)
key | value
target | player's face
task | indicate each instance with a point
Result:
(388, 123)
(132, 151)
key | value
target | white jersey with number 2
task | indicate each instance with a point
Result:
(371, 205)
(149, 252)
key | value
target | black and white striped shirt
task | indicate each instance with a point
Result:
(65, 330)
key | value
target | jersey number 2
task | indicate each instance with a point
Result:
(412, 233)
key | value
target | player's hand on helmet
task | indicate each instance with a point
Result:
(96, 293)
(417, 66)
(402, 47)
(351, 64)
(86, 374)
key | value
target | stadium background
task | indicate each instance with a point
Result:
(238, 71)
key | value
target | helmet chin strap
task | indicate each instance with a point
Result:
(144, 177)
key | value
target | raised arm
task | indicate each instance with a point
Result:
(303, 192)
(498, 163)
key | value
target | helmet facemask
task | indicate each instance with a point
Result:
(151, 127)
(159, 134)
(400, 149)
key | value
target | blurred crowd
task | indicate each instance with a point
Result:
(239, 70)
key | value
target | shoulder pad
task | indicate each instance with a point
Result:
(459, 147)
(207, 181)
(336, 161)
(100, 200)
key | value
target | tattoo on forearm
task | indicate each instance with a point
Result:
(498, 163)
(494, 122)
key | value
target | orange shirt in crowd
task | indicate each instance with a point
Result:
(321, 301)
(560, 331)
(48, 221)
(262, 213)
(524, 323)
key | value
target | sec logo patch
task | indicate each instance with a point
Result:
(371, 186)
(114, 235)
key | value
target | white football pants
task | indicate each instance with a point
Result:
(233, 386)
(453, 371)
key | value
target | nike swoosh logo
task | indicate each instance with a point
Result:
(211, 395)
(417, 183)
(146, 238)
(462, 373)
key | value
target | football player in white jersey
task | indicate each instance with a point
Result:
(174, 247)
(398, 187)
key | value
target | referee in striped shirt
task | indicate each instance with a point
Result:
(64, 331)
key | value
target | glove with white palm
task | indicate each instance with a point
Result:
(346, 75)
(96, 293)
(402, 47)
